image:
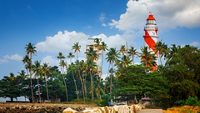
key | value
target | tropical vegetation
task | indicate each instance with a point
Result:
(176, 79)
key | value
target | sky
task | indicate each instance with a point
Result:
(54, 25)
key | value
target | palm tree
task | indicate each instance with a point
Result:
(38, 71)
(92, 56)
(123, 49)
(60, 56)
(62, 65)
(91, 69)
(76, 47)
(132, 52)
(126, 61)
(45, 73)
(30, 50)
(70, 56)
(22, 73)
(26, 60)
(111, 71)
(148, 59)
(161, 50)
(97, 42)
(28, 66)
(83, 68)
(172, 51)
(112, 57)
(103, 48)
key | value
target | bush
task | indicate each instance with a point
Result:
(192, 101)
(104, 101)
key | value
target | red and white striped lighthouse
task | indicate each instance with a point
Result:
(151, 35)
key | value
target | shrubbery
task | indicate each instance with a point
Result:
(192, 101)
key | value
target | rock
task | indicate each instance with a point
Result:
(69, 110)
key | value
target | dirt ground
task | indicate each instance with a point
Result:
(39, 107)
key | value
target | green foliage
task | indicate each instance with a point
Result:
(182, 72)
(193, 101)
(104, 101)
(10, 86)
(135, 82)
(176, 81)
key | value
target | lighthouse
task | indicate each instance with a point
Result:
(151, 35)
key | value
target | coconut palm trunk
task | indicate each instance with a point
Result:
(82, 86)
(92, 85)
(85, 87)
(77, 93)
(39, 90)
(70, 56)
(66, 89)
(47, 91)
(31, 81)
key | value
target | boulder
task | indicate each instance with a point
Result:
(69, 110)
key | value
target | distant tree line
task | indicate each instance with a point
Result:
(177, 77)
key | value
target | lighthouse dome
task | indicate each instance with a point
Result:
(151, 17)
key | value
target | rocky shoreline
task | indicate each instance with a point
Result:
(39, 107)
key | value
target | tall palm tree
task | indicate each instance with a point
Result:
(147, 58)
(79, 70)
(30, 50)
(45, 73)
(103, 48)
(38, 71)
(62, 65)
(70, 56)
(83, 68)
(91, 56)
(76, 47)
(111, 71)
(132, 52)
(91, 69)
(112, 57)
(28, 66)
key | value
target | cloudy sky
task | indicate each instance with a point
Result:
(54, 25)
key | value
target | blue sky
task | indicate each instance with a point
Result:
(54, 25)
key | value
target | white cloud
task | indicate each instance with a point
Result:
(169, 14)
(102, 19)
(63, 41)
(196, 44)
(14, 57)
(50, 60)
